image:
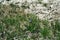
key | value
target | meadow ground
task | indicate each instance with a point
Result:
(17, 25)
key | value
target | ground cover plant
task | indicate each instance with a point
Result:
(15, 24)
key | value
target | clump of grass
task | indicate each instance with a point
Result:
(45, 32)
(57, 25)
(33, 23)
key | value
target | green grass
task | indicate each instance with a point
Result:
(14, 23)
(57, 26)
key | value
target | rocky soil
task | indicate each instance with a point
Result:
(44, 9)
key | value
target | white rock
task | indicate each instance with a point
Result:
(45, 1)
